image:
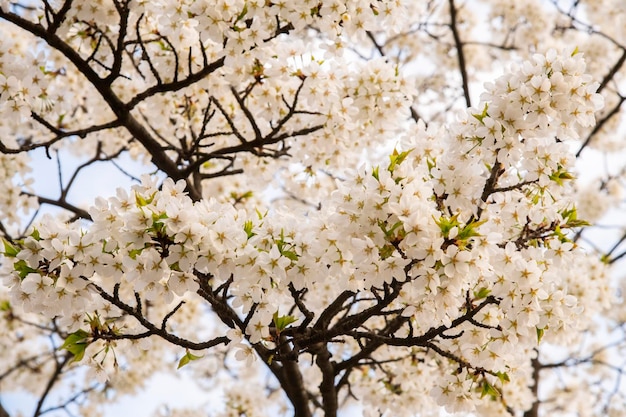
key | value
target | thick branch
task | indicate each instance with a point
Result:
(371, 347)
(330, 311)
(59, 17)
(294, 386)
(355, 320)
(490, 185)
(327, 386)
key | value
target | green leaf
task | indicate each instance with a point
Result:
(159, 217)
(575, 51)
(247, 227)
(239, 197)
(141, 202)
(482, 293)
(9, 250)
(134, 252)
(5, 305)
(375, 173)
(35, 235)
(386, 251)
(282, 322)
(446, 224)
(187, 358)
(393, 388)
(76, 343)
(559, 234)
(469, 230)
(431, 162)
(484, 114)
(561, 175)
(289, 254)
(503, 377)
(578, 223)
(540, 333)
(259, 214)
(571, 218)
(490, 390)
(23, 269)
(569, 214)
(396, 159)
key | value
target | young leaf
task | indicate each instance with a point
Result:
(482, 293)
(396, 159)
(23, 269)
(141, 202)
(188, 357)
(503, 377)
(375, 173)
(490, 390)
(469, 230)
(9, 250)
(247, 227)
(76, 343)
(289, 254)
(35, 235)
(282, 322)
(484, 114)
(539, 334)
(561, 175)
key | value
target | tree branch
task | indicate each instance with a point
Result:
(295, 388)
(53, 378)
(600, 124)
(460, 54)
(154, 330)
(327, 386)
(121, 109)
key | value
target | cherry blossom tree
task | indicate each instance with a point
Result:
(345, 206)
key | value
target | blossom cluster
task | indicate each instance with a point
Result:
(460, 240)
(317, 97)
(459, 216)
